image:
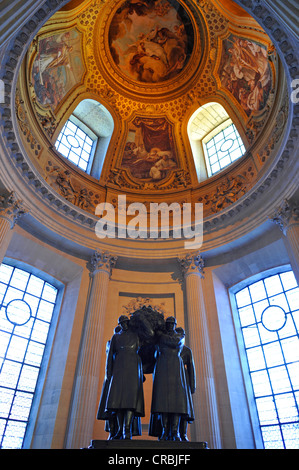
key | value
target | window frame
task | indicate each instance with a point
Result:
(84, 128)
(41, 377)
(205, 123)
(214, 133)
(256, 425)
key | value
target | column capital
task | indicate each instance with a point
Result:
(11, 208)
(101, 261)
(286, 215)
(192, 263)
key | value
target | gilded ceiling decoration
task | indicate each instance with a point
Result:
(151, 64)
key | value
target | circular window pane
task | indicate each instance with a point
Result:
(273, 318)
(18, 312)
(73, 141)
(227, 144)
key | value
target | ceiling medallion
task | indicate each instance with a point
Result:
(147, 46)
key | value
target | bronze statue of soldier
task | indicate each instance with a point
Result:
(190, 374)
(169, 397)
(125, 375)
(102, 414)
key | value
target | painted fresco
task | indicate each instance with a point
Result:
(149, 152)
(57, 68)
(245, 71)
(151, 41)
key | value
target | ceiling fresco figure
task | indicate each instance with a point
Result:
(57, 67)
(246, 73)
(149, 41)
(149, 151)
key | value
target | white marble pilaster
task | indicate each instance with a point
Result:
(84, 402)
(287, 217)
(206, 424)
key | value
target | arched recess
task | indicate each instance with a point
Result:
(205, 124)
(96, 122)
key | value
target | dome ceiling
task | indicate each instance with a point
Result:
(151, 65)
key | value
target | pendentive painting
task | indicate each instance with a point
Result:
(151, 40)
(149, 152)
(57, 67)
(246, 73)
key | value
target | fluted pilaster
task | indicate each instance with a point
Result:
(84, 404)
(11, 209)
(287, 217)
(206, 425)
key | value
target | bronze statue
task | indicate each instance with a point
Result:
(109, 418)
(124, 373)
(146, 344)
(190, 374)
(169, 398)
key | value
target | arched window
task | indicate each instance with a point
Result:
(223, 149)
(27, 304)
(215, 140)
(85, 137)
(268, 312)
(76, 145)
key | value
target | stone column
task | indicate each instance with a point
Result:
(84, 403)
(206, 425)
(287, 217)
(11, 209)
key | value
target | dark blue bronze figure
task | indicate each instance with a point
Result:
(125, 375)
(145, 344)
(109, 418)
(169, 398)
(187, 358)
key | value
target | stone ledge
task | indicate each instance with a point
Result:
(140, 444)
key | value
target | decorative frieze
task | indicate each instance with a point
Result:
(178, 179)
(71, 188)
(228, 191)
(139, 302)
(24, 125)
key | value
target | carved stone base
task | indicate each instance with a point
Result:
(139, 444)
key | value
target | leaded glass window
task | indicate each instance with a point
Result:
(75, 145)
(269, 319)
(223, 149)
(26, 308)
